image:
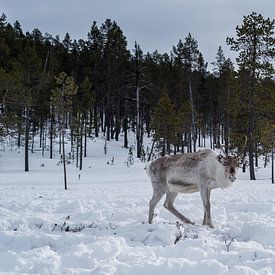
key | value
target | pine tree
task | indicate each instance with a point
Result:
(186, 55)
(91, 61)
(227, 84)
(138, 60)
(255, 43)
(86, 99)
(115, 58)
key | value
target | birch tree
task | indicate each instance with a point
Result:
(62, 102)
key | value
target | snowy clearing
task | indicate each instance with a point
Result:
(99, 226)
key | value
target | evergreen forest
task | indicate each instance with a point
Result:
(54, 89)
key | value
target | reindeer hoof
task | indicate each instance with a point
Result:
(209, 225)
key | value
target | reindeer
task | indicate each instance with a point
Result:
(201, 172)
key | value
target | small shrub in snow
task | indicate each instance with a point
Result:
(67, 160)
(130, 159)
(227, 243)
(39, 226)
(70, 157)
(112, 161)
(63, 227)
(143, 155)
(105, 147)
(178, 233)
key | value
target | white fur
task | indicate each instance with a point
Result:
(188, 173)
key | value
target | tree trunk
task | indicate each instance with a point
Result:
(256, 155)
(63, 154)
(102, 120)
(77, 151)
(81, 142)
(27, 140)
(117, 124)
(199, 137)
(163, 148)
(151, 151)
(244, 162)
(226, 133)
(251, 149)
(107, 125)
(43, 141)
(272, 164)
(19, 135)
(32, 143)
(138, 118)
(112, 126)
(251, 158)
(85, 137)
(125, 130)
(95, 122)
(193, 125)
(211, 137)
(251, 106)
(108, 103)
(168, 147)
(51, 135)
(60, 136)
(41, 132)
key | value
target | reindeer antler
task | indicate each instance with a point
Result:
(227, 155)
(245, 142)
(223, 151)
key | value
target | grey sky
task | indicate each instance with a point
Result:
(154, 24)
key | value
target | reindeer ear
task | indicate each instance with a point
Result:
(239, 161)
(221, 159)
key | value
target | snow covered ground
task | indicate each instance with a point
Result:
(99, 225)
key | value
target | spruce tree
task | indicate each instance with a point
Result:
(164, 123)
(219, 63)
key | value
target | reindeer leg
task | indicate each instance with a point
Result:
(153, 203)
(205, 195)
(168, 204)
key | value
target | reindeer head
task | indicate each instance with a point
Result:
(231, 163)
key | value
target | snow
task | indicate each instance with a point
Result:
(107, 207)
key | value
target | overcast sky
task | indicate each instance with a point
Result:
(154, 24)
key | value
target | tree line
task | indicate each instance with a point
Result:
(52, 89)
